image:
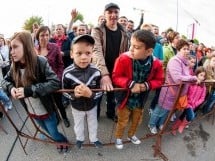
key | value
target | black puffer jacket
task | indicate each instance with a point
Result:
(89, 76)
(46, 83)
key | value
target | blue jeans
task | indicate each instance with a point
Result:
(158, 116)
(50, 126)
(189, 113)
(5, 99)
(155, 99)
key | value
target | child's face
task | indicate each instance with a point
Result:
(192, 62)
(81, 30)
(201, 76)
(82, 54)
(212, 62)
(138, 50)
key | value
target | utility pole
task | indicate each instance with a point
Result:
(177, 16)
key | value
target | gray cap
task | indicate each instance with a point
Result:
(111, 5)
(85, 37)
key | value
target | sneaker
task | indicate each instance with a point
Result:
(160, 127)
(79, 144)
(153, 130)
(119, 144)
(98, 144)
(66, 122)
(42, 137)
(173, 118)
(10, 107)
(59, 148)
(134, 140)
(65, 149)
(150, 111)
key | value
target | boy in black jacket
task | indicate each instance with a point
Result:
(82, 76)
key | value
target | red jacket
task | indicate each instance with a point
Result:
(122, 75)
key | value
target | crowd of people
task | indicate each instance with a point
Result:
(111, 54)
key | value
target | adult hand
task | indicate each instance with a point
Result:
(106, 83)
(74, 13)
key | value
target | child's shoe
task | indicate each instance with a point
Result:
(79, 144)
(65, 149)
(134, 140)
(98, 144)
(59, 148)
(175, 126)
(150, 111)
(42, 137)
(119, 144)
(161, 127)
(10, 107)
(183, 124)
(173, 118)
(153, 130)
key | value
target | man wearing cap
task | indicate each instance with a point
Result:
(110, 40)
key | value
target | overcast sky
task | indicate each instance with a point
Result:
(160, 12)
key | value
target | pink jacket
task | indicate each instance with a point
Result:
(177, 71)
(196, 95)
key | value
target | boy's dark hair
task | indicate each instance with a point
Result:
(146, 37)
(123, 17)
(181, 43)
(130, 21)
(200, 70)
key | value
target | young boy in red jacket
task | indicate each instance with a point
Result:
(139, 72)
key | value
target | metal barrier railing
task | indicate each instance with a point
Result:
(33, 136)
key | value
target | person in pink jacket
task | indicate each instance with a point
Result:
(195, 97)
(177, 70)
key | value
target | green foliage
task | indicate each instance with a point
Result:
(184, 37)
(79, 17)
(29, 22)
(196, 41)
